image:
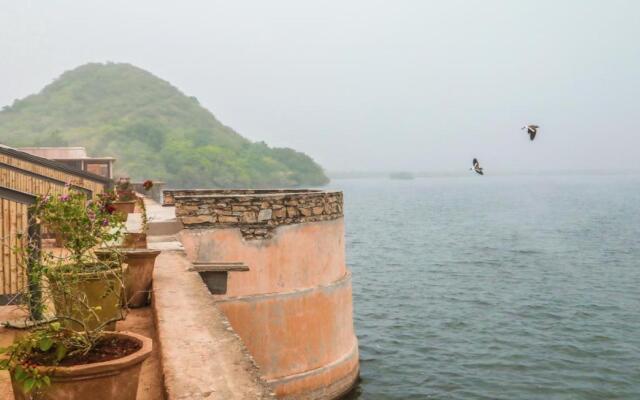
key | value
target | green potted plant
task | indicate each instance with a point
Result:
(77, 356)
(138, 240)
(124, 200)
(139, 263)
(83, 226)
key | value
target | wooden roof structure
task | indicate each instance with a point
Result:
(23, 177)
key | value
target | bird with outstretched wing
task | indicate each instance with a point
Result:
(532, 130)
(476, 167)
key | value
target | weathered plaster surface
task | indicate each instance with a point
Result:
(298, 256)
(296, 332)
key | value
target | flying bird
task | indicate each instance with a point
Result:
(531, 130)
(476, 167)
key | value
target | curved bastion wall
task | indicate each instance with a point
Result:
(286, 289)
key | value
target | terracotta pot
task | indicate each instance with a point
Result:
(138, 273)
(102, 289)
(124, 208)
(115, 379)
(58, 240)
(135, 240)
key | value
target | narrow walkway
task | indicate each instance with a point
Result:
(201, 356)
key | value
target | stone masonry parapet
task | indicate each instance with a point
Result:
(168, 195)
(257, 213)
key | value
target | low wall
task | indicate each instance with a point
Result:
(168, 195)
(256, 213)
(209, 361)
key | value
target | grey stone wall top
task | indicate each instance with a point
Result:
(257, 212)
(169, 195)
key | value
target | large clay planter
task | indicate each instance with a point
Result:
(102, 289)
(109, 380)
(138, 273)
(135, 240)
(124, 208)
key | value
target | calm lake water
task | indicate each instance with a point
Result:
(496, 287)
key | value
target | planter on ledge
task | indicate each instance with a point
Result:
(114, 379)
(135, 240)
(102, 290)
(124, 208)
(138, 274)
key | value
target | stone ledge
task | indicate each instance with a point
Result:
(210, 362)
(168, 195)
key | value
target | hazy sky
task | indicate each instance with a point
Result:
(368, 85)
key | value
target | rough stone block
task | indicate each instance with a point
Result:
(265, 214)
(227, 219)
(200, 219)
(249, 217)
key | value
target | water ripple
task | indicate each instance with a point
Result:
(528, 292)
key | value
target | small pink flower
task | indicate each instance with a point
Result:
(64, 197)
(105, 222)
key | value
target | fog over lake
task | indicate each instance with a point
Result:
(368, 85)
(520, 284)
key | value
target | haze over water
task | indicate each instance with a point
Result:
(496, 287)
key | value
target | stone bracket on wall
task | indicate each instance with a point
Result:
(215, 274)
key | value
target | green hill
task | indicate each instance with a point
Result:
(153, 129)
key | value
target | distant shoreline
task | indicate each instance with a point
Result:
(386, 174)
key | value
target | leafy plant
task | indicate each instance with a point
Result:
(124, 190)
(144, 216)
(48, 344)
(81, 223)
(78, 323)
